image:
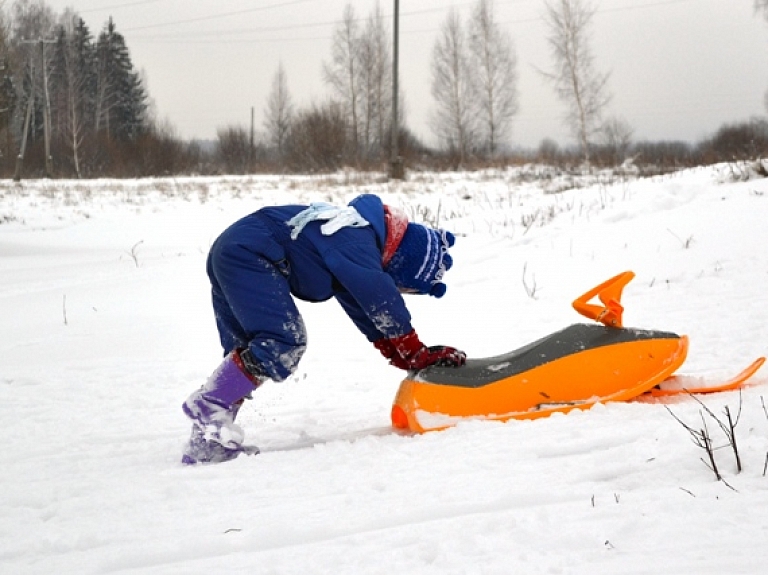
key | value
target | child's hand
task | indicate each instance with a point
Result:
(437, 355)
(407, 352)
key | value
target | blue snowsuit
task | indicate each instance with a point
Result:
(255, 268)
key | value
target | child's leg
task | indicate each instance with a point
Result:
(231, 333)
(254, 309)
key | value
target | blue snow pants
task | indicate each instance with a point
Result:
(252, 300)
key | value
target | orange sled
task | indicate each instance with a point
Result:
(573, 368)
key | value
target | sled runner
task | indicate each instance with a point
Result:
(573, 368)
(677, 384)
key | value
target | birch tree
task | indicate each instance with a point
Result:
(452, 121)
(73, 85)
(279, 112)
(576, 81)
(761, 6)
(342, 73)
(376, 80)
(494, 71)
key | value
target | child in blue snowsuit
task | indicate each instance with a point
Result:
(365, 255)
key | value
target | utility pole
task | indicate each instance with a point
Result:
(251, 151)
(23, 149)
(47, 118)
(396, 168)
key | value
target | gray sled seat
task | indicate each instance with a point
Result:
(573, 339)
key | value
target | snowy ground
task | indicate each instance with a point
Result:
(105, 328)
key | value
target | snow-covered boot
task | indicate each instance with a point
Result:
(215, 436)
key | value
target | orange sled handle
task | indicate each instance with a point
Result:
(609, 293)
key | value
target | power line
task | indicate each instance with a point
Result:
(181, 36)
(231, 31)
(117, 6)
(639, 6)
(218, 16)
(280, 28)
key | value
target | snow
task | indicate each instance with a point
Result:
(106, 328)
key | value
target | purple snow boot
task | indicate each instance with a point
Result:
(215, 436)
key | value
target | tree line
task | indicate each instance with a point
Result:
(475, 96)
(73, 105)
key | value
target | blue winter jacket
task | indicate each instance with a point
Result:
(346, 265)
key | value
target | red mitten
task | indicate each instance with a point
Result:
(407, 352)
(387, 349)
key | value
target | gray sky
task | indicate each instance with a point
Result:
(679, 68)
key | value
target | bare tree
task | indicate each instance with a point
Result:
(343, 72)
(494, 67)
(234, 149)
(576, 81)
(74, 84)
(615, 137)
(367, 109)
(761, 6)
(376, 82)
(452, 122)
(279, 112)
(318, 137)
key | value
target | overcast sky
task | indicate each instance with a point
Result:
(679, 68)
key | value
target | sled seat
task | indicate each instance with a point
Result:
(573, 339)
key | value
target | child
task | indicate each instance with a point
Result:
(365, 255)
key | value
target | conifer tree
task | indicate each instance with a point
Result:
(121, 101)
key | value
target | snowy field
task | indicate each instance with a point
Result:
(105, 328)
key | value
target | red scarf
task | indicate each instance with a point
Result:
(396, 223)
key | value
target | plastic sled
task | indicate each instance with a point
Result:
(573, 368)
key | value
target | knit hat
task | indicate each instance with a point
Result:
(421, 260)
